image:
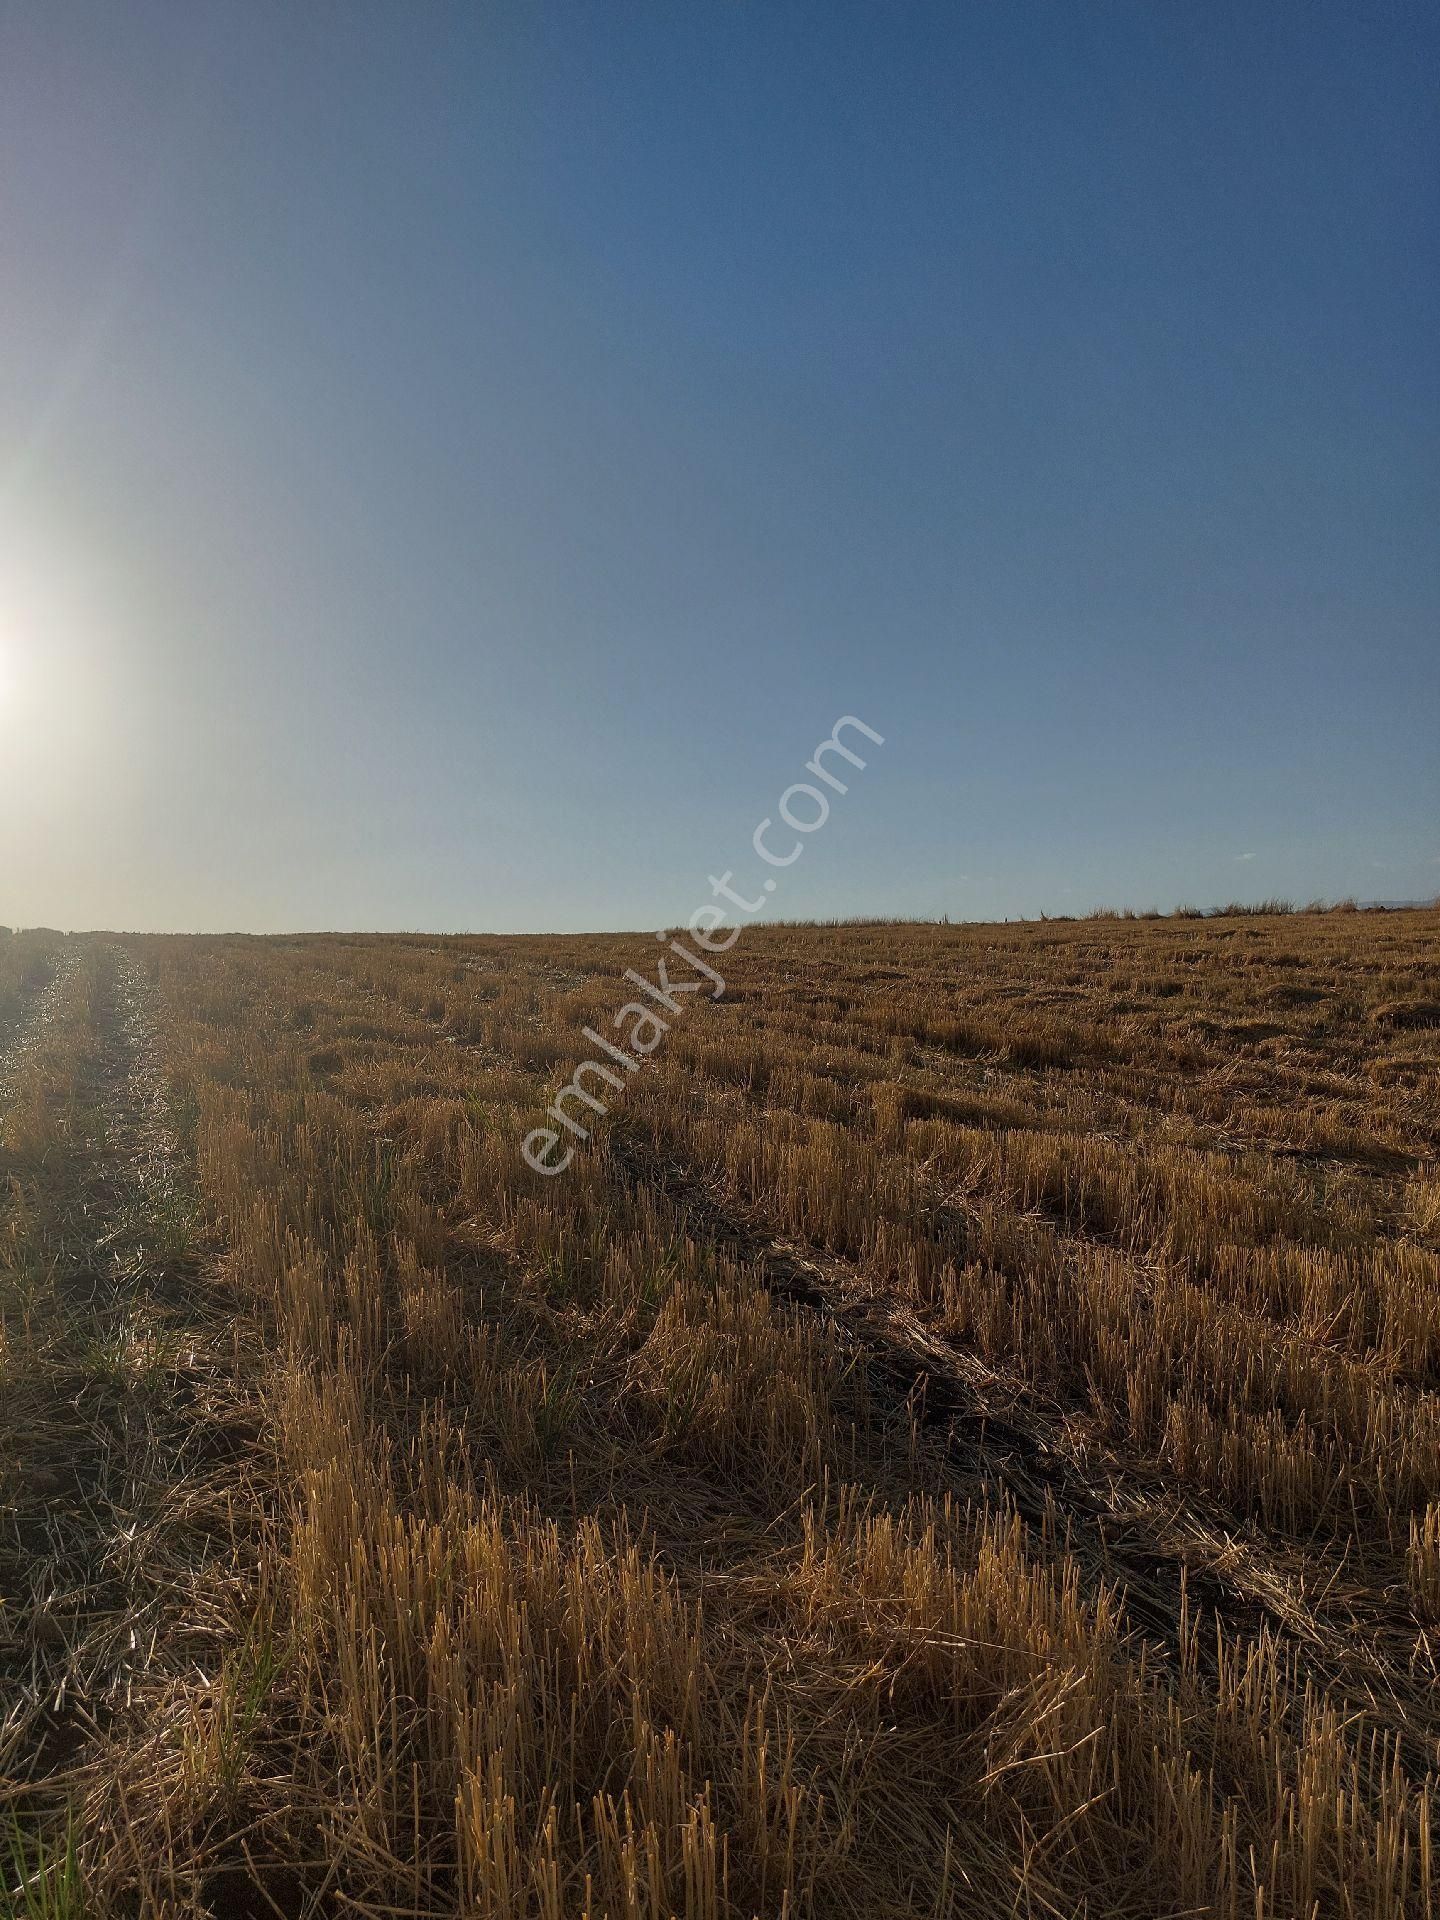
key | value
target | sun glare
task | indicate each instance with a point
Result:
(10, 677)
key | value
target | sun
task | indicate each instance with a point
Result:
(9, 678)
(13, 674)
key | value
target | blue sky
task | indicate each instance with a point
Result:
(456, 462)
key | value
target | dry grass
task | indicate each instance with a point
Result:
(963, 1439)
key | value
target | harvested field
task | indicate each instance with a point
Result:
(962, 1437)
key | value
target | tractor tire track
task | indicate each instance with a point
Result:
(116, 1545)
(1168, 1559)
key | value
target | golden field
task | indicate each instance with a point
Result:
(962, 1437)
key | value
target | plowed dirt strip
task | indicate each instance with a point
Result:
(117, 1543)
